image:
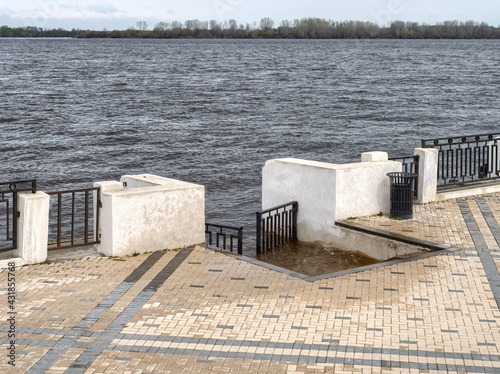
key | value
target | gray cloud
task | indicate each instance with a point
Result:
(102, 8)
(121, 14)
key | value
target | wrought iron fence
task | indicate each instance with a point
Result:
(466, 159)
(75, 220)
(222, 233)
(276, 226)
(410, 165)
(9, 211)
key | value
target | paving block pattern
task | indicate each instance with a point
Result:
(440, 222)
(201, 311)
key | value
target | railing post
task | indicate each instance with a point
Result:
(59, 218)
(240, 241)
(97, 213)
(258, 234)
(73, 218)
(207, 231)
(14, 219)
(294, 224)
(86, 223)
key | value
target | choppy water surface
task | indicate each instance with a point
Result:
(213, 111)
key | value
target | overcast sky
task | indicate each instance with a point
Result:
(121, 14)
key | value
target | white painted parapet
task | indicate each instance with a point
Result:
(33, 227)
(105, 225)
(374, 156)
(427, 174)
(143, 213)
(328, 192)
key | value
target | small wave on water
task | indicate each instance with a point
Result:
(8, 119)
(212, 112)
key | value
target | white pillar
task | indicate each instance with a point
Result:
(105, 231)
(427, 174)
(33, 227)
(374, 156)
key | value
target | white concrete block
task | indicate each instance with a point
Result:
(33, 227)
(151, 213)
(374, 156)
(327, 192)
(427, 174)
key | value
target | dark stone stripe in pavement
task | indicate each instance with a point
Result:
(489, 218)
(60, 347)
(168, 270)
(32, 342)
(36, 331)
(487, 261)
(408, 342)
(302, 346)
(312, 358)
(144, 267)
(103, 341)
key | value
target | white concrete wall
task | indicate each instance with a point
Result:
(374, 246)
(33, 227)
(151, 213)
(327, 192)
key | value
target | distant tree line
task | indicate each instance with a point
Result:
(306, 28)
(35, 32)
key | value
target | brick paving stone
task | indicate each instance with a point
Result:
(217, 313)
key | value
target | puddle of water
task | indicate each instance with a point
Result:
(312, 260)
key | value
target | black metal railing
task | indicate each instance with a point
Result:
(75, 220)
(226, 237)
(466, 159)
(410, 165)
(276, 226)
(9, 210)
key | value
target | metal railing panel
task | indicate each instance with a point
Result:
(222, 233)
(466, 159)
(74, 221)
(276, 226)
(410, 165)
(9, 210)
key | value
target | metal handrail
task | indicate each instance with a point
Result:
(276, 226)
(74, 240)
(12, 214)
(222, 234)
(13, 186)
(426, 143)
(466, 159)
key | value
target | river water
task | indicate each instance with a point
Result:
(213, 111)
